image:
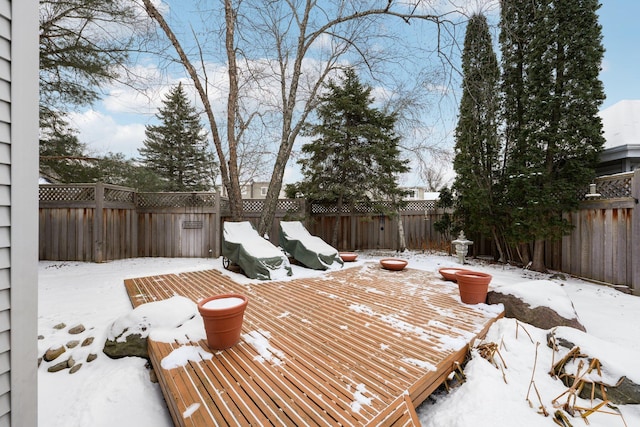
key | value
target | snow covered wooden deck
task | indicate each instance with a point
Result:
(359, 346)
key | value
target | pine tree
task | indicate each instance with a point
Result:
(552, 94)
(63, 157)
(477, 146)
(354, 157)
(176, 150)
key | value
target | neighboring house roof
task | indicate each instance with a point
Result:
(621, 123)
(621, 127)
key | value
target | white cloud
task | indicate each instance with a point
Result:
(101, 133)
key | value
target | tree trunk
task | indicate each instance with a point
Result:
(273, 192)
(402, 243)
(496, 239)
(538, 256)
(336, 226)
(233, 189)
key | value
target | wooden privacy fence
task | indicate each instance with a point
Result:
(101, 222)
(605, 243)
(364, 228)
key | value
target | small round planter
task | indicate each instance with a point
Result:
(348, 256)
(394, 264)
(473, 286)
(449, 273)
(223, 316)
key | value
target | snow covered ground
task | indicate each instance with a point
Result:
(108, 392)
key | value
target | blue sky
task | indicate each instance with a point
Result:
(113, 126)
(621, 39)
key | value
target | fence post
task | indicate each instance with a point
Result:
(98, 228)
(635, 233)
(134, 226)
(353, 224)
(217, 225)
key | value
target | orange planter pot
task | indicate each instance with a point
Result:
(394, 264)
(449, 273)
(348, 256)
(223, 316)
(473, 286)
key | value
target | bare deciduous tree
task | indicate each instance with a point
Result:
(278, 55)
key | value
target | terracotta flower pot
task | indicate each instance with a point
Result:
(348, 256)
(394, 264)
(473, 286)
(449, 273)
(223, 316)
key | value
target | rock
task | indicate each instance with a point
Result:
(91, 357)
(132, 345)
(40, 337)
(75, 368)
(58, 367)
(87, 341)
(128, 334)
(73, 344)
(69, 363)
(152, 376)
(78, 329)
(625, 392)
(541, 303)
(53, 353)
(60, 326)
(622, 391)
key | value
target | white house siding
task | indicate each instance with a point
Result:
(18, 212)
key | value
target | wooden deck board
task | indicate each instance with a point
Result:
(359, 346)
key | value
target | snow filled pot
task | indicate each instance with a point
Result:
(473, 286)
(222, 316)
(394, 264)
(449, 273)
(348, 256)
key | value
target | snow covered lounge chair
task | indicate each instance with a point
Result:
(258, 258)
(307, 249)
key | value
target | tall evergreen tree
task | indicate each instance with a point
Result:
(176, 150)
(477, 146)
(354, 157)
(552, 94)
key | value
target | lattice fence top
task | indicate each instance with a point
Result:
(118, 195)
(65, 193)
(175, 200)
(421, 205)
(287, 205)
(608, 187)
(363, 208)
(614, 186)
(611, 187)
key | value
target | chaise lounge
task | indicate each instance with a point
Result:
(309, 250)
(257, 257)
